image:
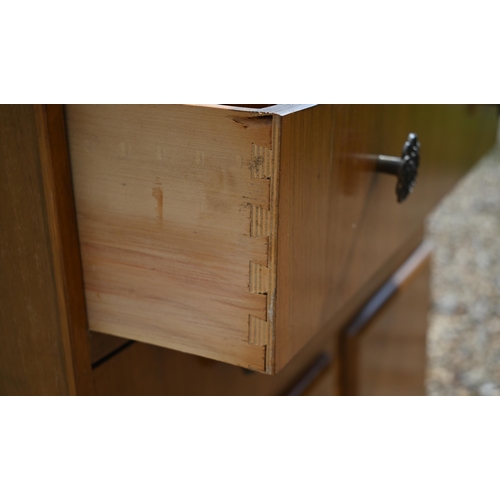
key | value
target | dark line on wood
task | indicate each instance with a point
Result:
(112, 354)
(311, 375)
(388, 289)
(381, 297)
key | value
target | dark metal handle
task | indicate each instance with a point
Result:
(404, 168)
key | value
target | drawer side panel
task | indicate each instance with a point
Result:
(174, 210)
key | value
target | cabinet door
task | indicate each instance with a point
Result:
(384, 348)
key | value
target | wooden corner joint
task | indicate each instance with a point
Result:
(261, 165)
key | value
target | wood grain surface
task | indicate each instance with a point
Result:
(386, 356)
(239, 235)
(42, 333)
(339, 222)
(325, 384)
(65, 246)
(184, 244)
(142, 369)
(176, 214)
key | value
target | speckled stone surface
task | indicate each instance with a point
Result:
(464, 320)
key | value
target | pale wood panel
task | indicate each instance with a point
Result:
(164, 197)
(339, 222)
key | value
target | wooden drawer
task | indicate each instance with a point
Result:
(238, 234)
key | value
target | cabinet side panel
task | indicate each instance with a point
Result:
(33, 358)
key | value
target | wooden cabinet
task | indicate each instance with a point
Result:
(172, 249)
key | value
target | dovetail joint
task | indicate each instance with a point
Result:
(258, 331)
(261, 162)
(259, 221)
(260, 168)
(259, 278)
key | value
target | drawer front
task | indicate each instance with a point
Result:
(339, 219)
